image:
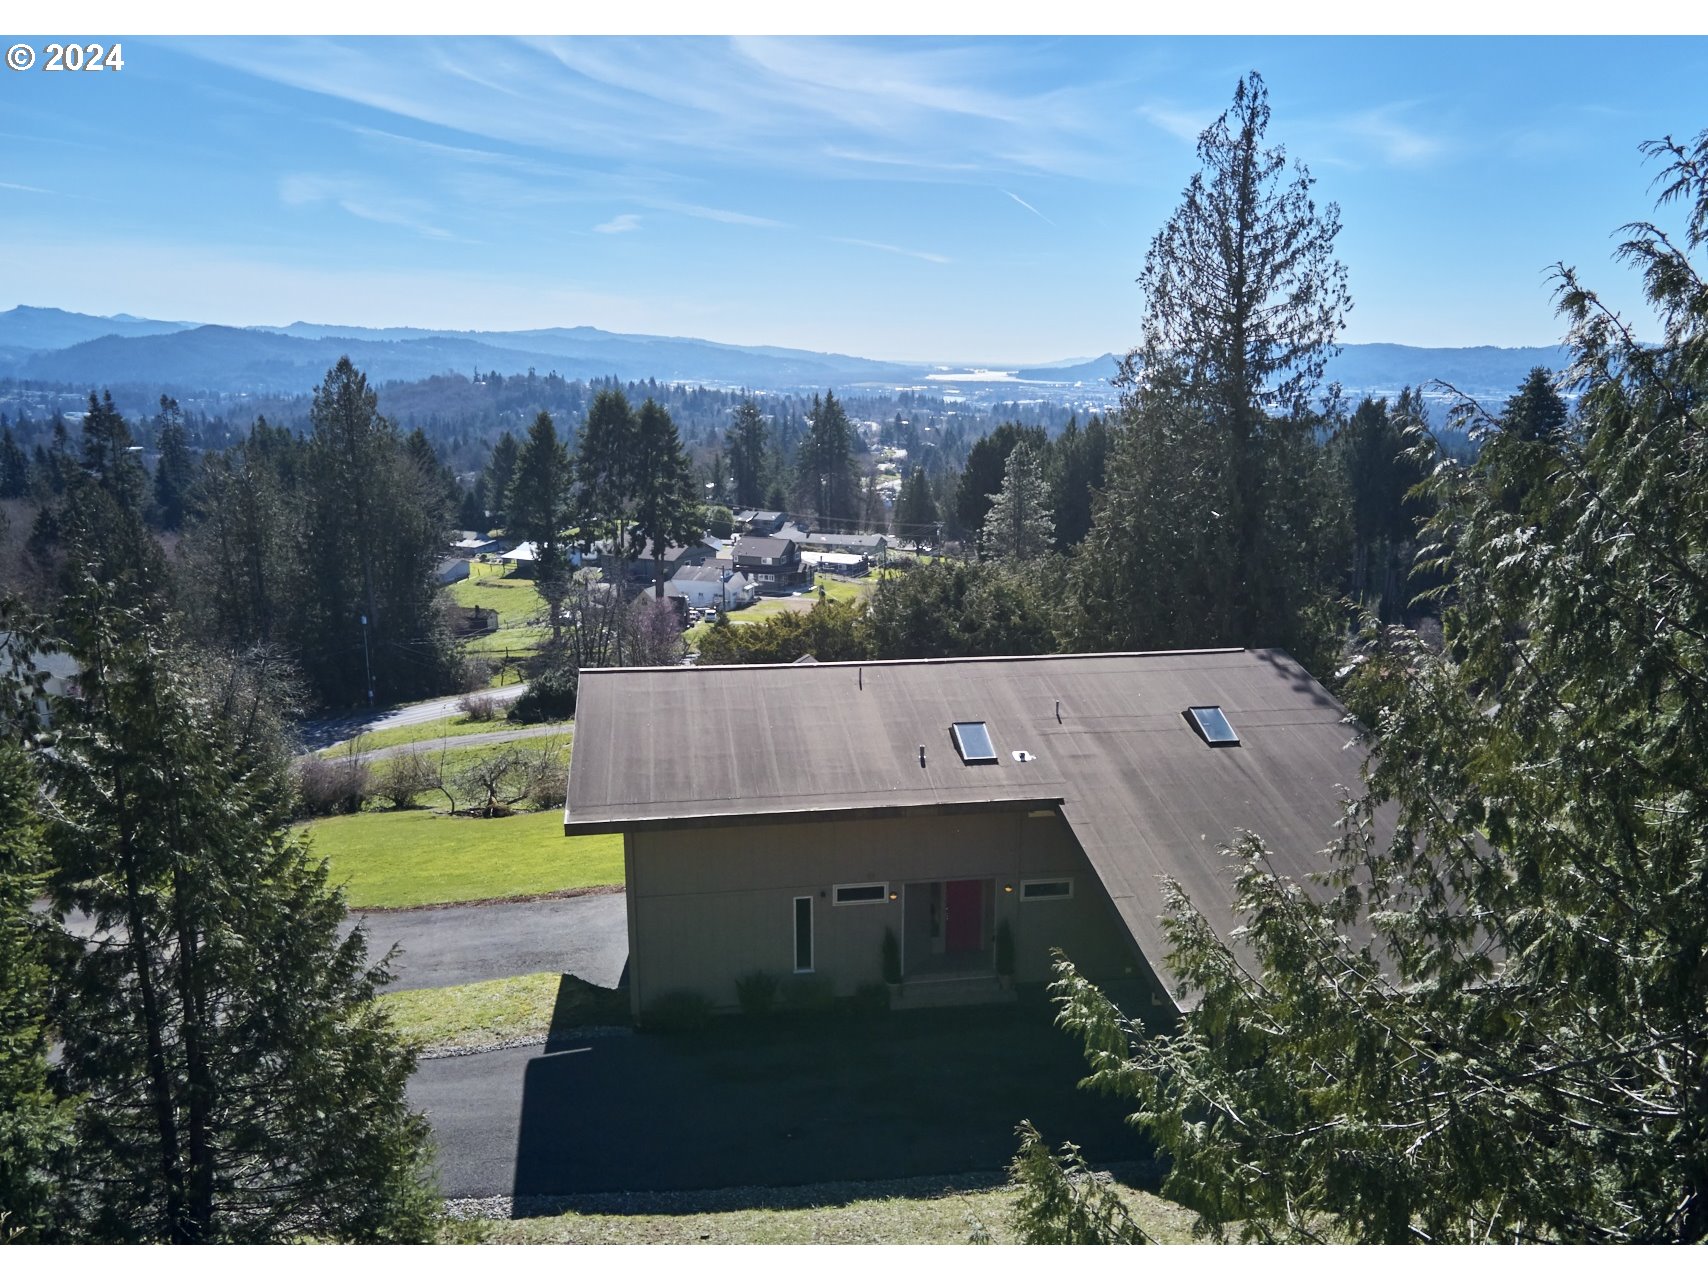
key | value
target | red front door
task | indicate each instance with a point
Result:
(963, 904)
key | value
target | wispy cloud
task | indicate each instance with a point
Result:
(890, 249)
(618, 225)
(1396, 142)
(1182, 124)
(1016, 199)
(18, 186)
(708, 214)
(359, 199)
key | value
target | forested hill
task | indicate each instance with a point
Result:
(44, 345)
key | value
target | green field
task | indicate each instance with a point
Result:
(490, 588)
(408, 858)
(485, 1014)
(946, 1219)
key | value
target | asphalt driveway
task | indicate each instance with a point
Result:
(907, 1094)
(587, 936)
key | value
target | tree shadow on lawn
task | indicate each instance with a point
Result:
(751, 1104)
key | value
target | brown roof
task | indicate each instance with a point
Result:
(1144, 794)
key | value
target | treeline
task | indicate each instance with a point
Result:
(320, 548)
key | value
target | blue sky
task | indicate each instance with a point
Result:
(949, 199)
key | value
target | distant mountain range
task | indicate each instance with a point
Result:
(49, 345)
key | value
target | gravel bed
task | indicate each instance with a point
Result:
(562, 1038)
(717, 1200)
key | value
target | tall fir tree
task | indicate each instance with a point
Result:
(235, 1080)
(745, 443)
(539, 512)
(1019, 526)
(667, 510)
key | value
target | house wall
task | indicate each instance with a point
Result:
(708, 905)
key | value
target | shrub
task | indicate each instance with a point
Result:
(404, 776)
(679, 1011)
(869, 1000)
(336, 786)
(477, 706)
(757, 993)
(550, 697)
(476, 672)
(809, 994)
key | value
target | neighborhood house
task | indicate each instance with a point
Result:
(782, 819)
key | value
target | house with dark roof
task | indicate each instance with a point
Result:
(757, 522)
(771, 564)
(782, 819)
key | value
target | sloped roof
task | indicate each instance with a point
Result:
(1146, 797)
(749, 547)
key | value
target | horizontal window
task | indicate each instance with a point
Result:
(849, 895)
(1046, 889)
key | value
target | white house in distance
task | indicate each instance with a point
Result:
(702, 586)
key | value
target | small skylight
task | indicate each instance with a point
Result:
(972, 741)
(1212, 726)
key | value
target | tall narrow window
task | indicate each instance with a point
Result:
(803, 936)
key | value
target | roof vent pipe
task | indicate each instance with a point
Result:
(922, 756)
(1058, 711)
(862, 678)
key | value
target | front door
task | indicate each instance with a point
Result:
(963, 906)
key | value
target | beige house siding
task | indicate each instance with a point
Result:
(710, 904)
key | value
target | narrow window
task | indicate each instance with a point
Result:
(972, 741)
(803, 936)
(848, 895)
(1046, 889)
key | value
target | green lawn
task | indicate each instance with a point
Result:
(516, 641)
(945, 1219)
(408, 858)
(485, 1014)
(487, 586)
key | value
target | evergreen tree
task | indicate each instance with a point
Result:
(33, 1124)
(14, 467)
(746, 445)
(235, 1080)
(604, 475)
(500, 474)
(1226, 525)
(987, 464)
(667, 511)
(1077, 462)
(175, 471)
(1019, 526)
(1488, 1024)
(916, 512)
(826, 465)
(539, 511)
(110, 454)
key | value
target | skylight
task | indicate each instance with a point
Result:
(1212, 726)
(972, 741)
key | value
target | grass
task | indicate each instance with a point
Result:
(478, 1015)
(448, 727)
(487, 586)
(410, 858)
(945, 1219)
(516, 641)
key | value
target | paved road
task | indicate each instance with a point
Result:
(563, 731)
(330, 730)
(587, 936)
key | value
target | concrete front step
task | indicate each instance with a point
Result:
(958, 989)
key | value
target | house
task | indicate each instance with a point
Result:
(703, 587)
(784, 818)
(757, 522)
(871, 546)
(470, 543)
(772, 564)
(845, 563)
(453, 569)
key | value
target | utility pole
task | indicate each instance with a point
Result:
(367, 662)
